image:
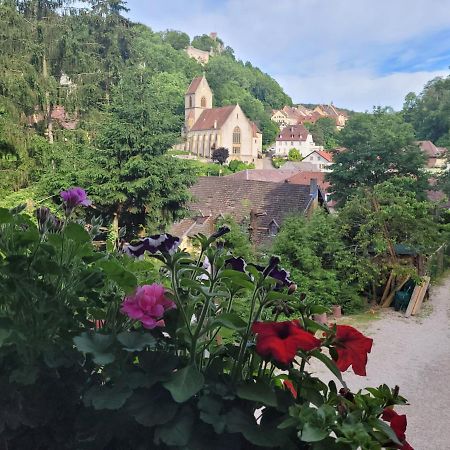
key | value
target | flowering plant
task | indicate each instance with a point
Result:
(192, 352)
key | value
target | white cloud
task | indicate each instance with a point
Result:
(358, 90)
(326, 49)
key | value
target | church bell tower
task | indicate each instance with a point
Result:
(198, 97)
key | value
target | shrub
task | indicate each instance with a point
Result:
(294, 155)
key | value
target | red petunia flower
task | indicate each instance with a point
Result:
(398, 423)
(282, 340)
(352, 348)
(290, 387)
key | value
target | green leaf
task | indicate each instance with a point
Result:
(105, 397)
(76, 233)
(184, 383)
(151, 407)
(5, 216)
(329, 363)
(382, 426)
(231, 321)
(178, 431)
(311, 433)
(4, 335)
(96, 344)
(258, 392)
(125, 279)
(135, 341)
(318, 309)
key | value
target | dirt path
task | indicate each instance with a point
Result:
(414, 353)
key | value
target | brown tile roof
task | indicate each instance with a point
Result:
(272, 175)
(259, 202)
(306, 177)
(195, 83)
(209, 117)
(293, 133)
(429, 148)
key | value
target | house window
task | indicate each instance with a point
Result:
(237, 135)
(236, 150)
(190, 101)
(273, 228)
(203, 102)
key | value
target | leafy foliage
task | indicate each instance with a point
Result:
(378, 147)
(324, 132)
(197, 385)
(220, 155)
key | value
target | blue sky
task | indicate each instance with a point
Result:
(356, 53)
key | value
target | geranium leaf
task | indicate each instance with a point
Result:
(134, 341)
(96, 344)
(311, 433)
(257, 392)
(105, 397)
(184, 383)
(178, 431)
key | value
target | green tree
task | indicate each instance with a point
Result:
(206, 43)
(176, 39)
(324, 269)
(220, 155)
(324, 132)
(237, 240)
(294, 155)
(429, 112)
(378, 147)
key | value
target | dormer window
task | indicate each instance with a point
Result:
(273, 228)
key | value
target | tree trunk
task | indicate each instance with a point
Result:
(47, 106)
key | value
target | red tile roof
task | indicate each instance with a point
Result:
(293, 133)
(273, 175)
(195, 83)
(306, 177)
(429, 149)
(326, 155)
(209, 117)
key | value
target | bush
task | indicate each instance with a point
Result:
(278, 161)
(294, 155)
(100, 351)
(237, 166)
(220, 155)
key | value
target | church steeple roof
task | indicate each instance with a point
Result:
(195, 83)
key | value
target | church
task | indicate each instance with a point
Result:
(207, 128)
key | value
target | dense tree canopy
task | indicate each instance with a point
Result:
(378, 147)
(324, 132)
(89, 98)
(429, 112)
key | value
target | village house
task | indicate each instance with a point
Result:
(207, 128)
(320, 158)
(260, 206)
(295, 136)
(436, 156)
(293, 115)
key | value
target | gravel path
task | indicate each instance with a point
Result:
(414, 353)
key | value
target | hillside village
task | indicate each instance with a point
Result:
(190, 258)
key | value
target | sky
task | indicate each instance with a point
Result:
(354, 53)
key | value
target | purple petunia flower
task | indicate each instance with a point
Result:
(163, 243)
(238, 263)
(74, 197)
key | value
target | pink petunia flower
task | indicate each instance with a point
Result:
(148, 305)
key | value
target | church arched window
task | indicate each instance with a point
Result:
(236, 135)
(203, 102)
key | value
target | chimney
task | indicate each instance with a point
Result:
(215, 124)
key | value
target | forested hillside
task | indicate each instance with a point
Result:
(89, 98)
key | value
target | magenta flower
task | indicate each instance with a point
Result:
(74, 197)
(148, 305)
